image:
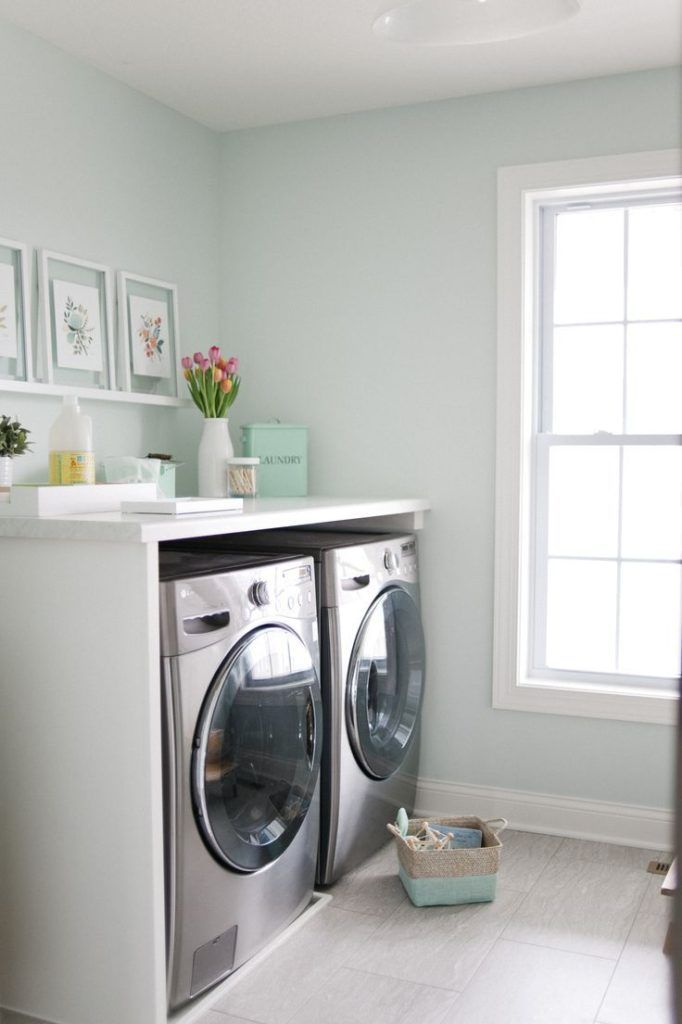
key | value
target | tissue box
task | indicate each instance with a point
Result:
(283, 452)
(167, 479)
(131, 469)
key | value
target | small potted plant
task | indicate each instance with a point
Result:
(13, 441)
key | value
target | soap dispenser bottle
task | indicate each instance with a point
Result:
(72, 460)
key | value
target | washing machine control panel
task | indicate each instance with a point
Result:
(296, 591)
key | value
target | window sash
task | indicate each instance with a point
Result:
(544, 438)
(537, 620)
(543, 335)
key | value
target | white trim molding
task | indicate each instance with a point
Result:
(520, 191)
(650, 828)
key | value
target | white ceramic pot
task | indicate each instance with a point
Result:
(215, 447)
(6, 471)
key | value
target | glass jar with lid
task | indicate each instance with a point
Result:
(242, 477)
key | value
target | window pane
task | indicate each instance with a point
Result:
(654, 373)
(650, 619)
(655, 262)
(581, 615)
(583, 501)
(652, 503)
(589, 284)
(587, 380)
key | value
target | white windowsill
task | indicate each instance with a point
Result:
(548, 697)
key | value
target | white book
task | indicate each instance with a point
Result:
(71, 499)
(183, 506)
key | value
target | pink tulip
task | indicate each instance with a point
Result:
(205, 364)
(186, 362)
(232, 364)
(214, 353)
(198, 358)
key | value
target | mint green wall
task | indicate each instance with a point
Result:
(359, 260)
(92, 168)
(354, 273)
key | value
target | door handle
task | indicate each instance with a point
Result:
(206, 623)
(355, 582)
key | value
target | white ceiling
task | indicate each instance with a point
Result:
(236, 63)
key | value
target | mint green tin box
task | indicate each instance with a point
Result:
(283, 452)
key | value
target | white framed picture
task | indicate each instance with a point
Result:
(15, 326)
(76, 336)
(8, 313)
(148, 334)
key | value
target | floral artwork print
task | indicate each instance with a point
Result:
(149, 331)
(150, 336)
(78, 330)
(8, 319)
(77, 326)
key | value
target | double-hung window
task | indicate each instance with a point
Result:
(588, 574)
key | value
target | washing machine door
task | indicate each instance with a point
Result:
(385, 683)
(257, 749)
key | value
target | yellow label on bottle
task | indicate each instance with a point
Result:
(72, 468)
(54, 470)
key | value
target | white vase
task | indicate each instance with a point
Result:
(6, 469)
(215, 447)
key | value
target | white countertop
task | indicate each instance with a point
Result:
(258, 514)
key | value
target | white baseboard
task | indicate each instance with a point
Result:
(650, 828)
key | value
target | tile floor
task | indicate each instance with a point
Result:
(574, 936)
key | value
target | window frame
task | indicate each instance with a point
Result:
(521, 191)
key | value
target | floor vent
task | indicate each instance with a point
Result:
(658, 867)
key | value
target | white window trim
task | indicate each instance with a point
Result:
(519, 189)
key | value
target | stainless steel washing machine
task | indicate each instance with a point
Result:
(242, 741)
(373, 663)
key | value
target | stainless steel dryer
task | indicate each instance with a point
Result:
(372, 650)
(242, 739)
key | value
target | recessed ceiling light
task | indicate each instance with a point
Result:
(465, 22)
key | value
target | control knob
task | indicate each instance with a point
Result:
(258, 593)
(391, 560)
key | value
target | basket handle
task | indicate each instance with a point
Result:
(497, 824)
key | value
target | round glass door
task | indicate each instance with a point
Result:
(385, 683)
(257, 749)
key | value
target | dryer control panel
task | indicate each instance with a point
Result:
(354, 572)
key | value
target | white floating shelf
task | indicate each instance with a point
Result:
(98, 394)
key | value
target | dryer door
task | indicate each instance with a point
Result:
(385, 683)
(257, 749)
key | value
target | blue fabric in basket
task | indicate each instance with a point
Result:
(402, 821)
(461, 838)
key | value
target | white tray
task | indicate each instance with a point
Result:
(57, 500)
(183, 506)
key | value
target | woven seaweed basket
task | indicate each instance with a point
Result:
(448, 877)
(484, 860)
